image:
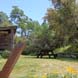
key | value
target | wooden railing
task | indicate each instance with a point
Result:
(8, 67)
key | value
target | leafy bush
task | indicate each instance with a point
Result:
(29, 51)
(5, 53)
(63, 49)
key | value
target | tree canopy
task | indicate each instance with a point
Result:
(63, 19)
(4, 19)
(59, 28)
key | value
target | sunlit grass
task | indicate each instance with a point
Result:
(2, 62)
(32, 67)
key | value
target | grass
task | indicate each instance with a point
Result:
(29, 66)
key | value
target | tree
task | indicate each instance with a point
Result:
(41, 38)
(16, 14)
(20, 19)
(4, 19)
(63, 19)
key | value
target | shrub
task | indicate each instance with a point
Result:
(5, 53)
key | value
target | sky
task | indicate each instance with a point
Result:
(34, 9)
(77, 1)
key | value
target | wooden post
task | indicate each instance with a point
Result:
(8, 67)
(12, 39)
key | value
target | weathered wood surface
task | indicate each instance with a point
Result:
(7, 36)
(8, 67)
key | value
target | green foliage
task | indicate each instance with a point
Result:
(73, 49)
(63, 21)
(4, 20)
(40, 38)
(16, 14)
(18, 39)
(63, 49)
(5, 54)
(3, 16)
(19, 18)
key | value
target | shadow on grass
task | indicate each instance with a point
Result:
(35, 57)
(67, 59)
(52, 58)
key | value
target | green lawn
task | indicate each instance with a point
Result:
(28, 66)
